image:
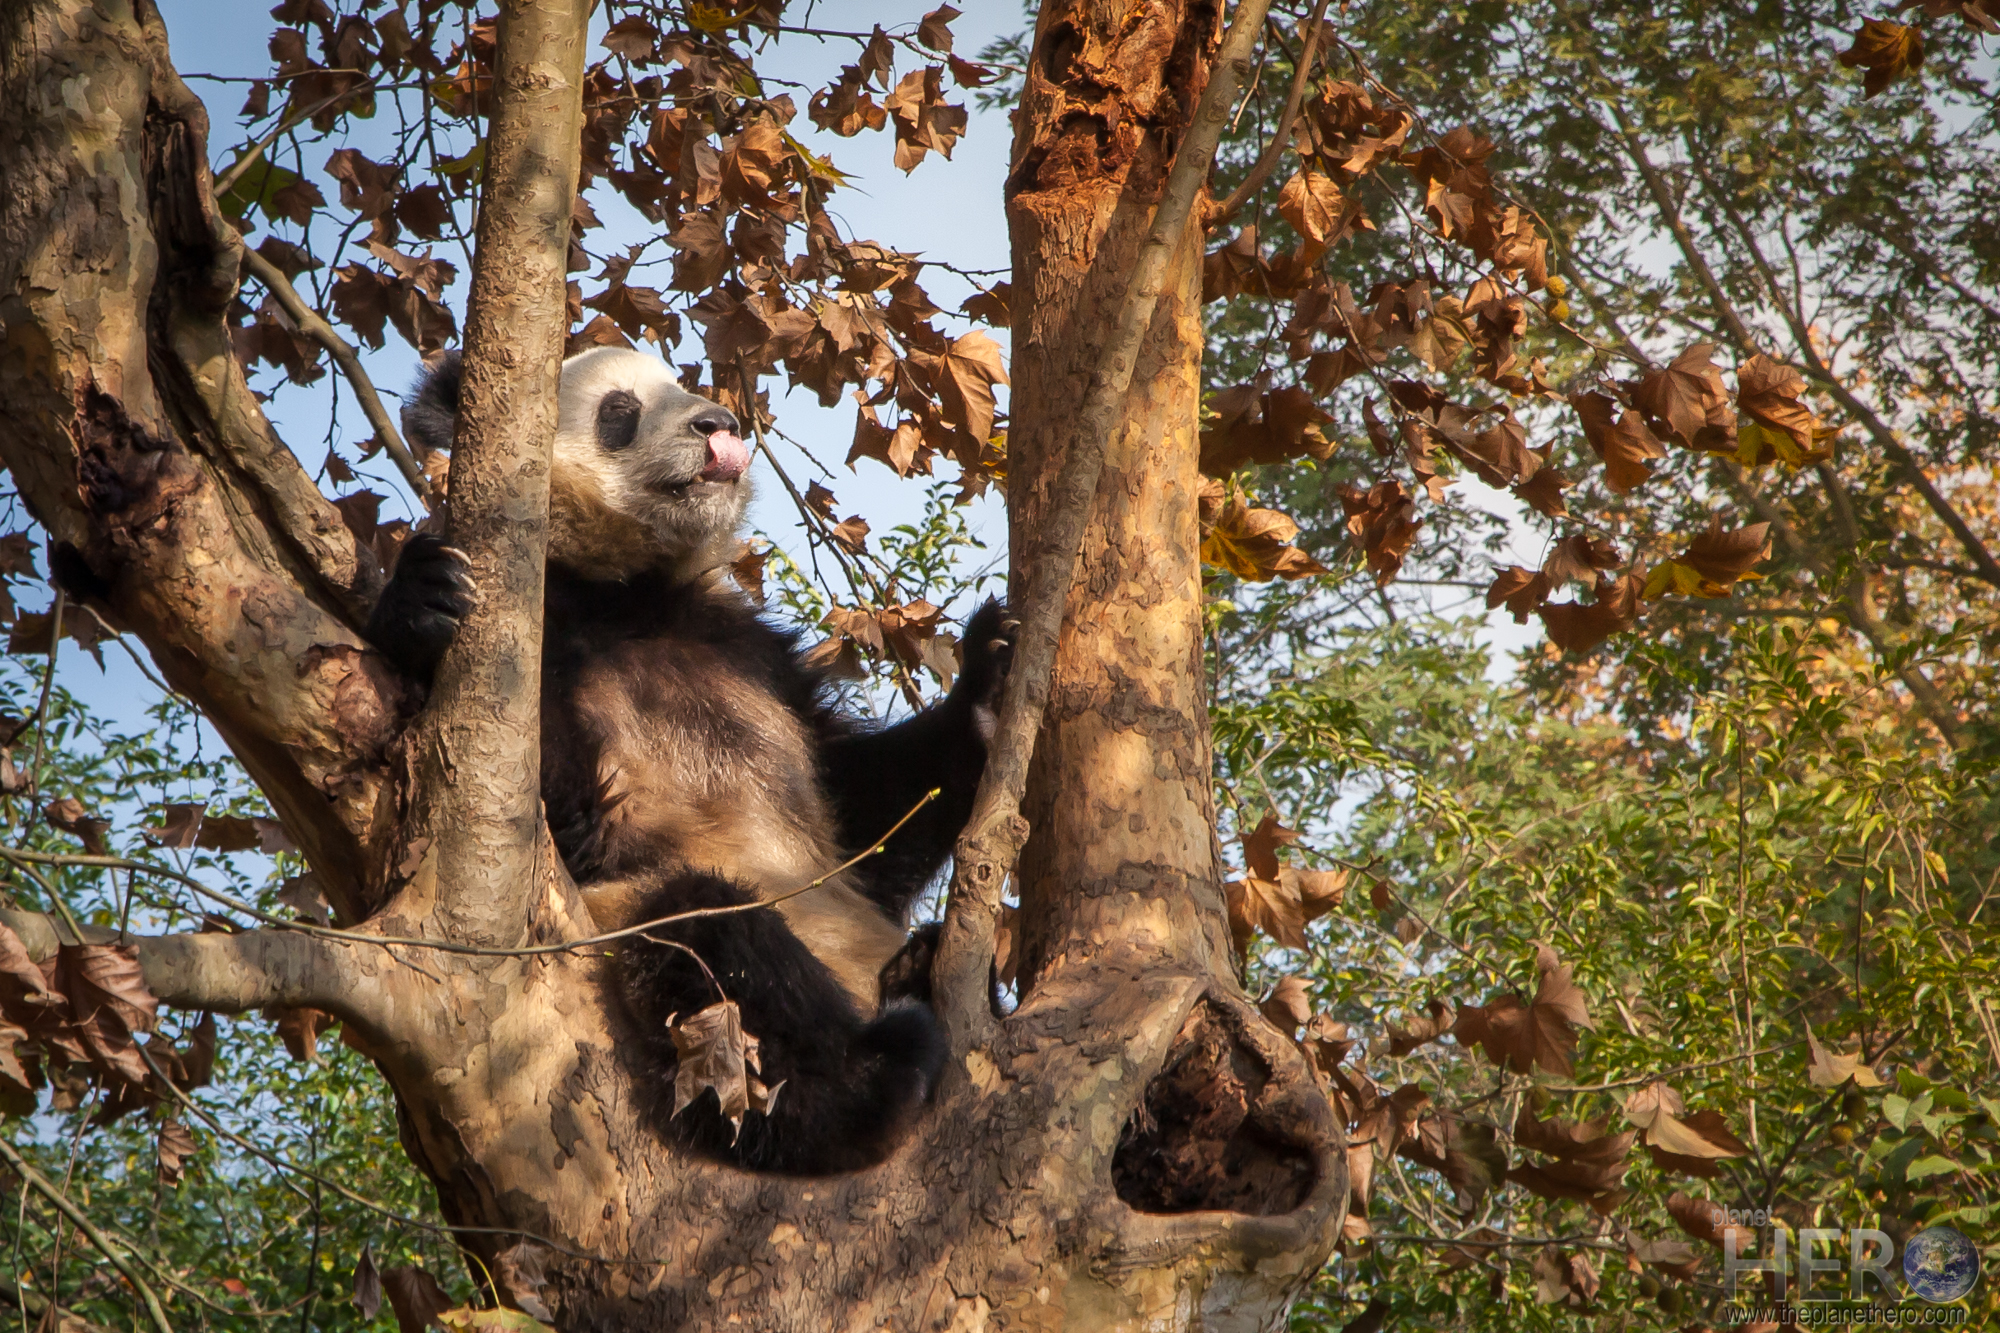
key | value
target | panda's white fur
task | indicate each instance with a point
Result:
(618, 513)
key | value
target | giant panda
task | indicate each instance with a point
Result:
(691, 759)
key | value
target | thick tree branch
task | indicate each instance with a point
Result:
(134, 438)
(313, 326)
(480, 757)
(228, 973)
(994, 835)
(1267, 161)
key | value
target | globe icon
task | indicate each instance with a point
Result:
(1940, 1264)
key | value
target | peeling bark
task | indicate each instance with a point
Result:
(134, 438)
(1133, 1148)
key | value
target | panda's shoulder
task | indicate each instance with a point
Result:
(701, 613)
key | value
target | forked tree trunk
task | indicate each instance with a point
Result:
(1134, 1147)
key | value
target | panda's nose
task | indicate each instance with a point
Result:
(728, 456)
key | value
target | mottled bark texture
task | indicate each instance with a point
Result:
(1133, 1148)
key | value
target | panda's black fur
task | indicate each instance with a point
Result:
(691, 759)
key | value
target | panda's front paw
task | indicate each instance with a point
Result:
(421, 608)
(988, 652)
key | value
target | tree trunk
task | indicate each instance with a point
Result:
(1133, 1147)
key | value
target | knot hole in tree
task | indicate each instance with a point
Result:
(1214, 1130)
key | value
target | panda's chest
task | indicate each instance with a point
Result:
(699, 767)
(699, 764)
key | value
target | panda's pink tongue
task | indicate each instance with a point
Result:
(728, 457)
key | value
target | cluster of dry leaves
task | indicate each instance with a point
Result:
(1417, 425)
(678, 125)
(77, 1017)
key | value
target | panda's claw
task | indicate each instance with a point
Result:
(427, 597)
(989, 653)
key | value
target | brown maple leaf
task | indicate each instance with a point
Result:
(1311, 203)
(717, 1055)
(173, 1147)
(1703, 1219)
(177, 827)
(1830, 1069)
(299, 1028)
(1520, 590)
(1417, 1030)
(1578, 627)
(69, 815)
(1256, 544)
(1289, 1005)
(1578, 557)
(1264, 904)
(1261, 844)
(1713, 562)
(966, 376)
(1525, 1037)
(1543, 492)
(1678, 1141)
(1383, 522)
(1686, 401)
(1618, 436)
(1769, 392)
(851, 533)
(1886, 50)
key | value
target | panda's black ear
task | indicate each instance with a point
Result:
(432, 406)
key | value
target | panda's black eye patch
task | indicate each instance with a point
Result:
(618, 419)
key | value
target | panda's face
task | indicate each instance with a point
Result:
(644, 470)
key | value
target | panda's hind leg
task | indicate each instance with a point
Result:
(849, 1087)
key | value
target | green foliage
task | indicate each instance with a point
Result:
(1787, 864)
(268, 1218)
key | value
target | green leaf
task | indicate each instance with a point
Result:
(1925, 1167)
(1898, 1161)
(1912, 1082)
(254, 188)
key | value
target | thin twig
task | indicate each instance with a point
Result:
(20, 855)
(1275, 150)
(309, 323)
(42, 710)
(403, 1219)
(90, 1232)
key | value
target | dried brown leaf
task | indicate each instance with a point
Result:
(717, 1055)
(1289, 1005)
(172, 1148)
(1686, 401)
(1830, 1069)
(416, 1298)
(1579, 627)
(1886, 50)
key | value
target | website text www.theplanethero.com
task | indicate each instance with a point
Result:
(1859, 1316)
